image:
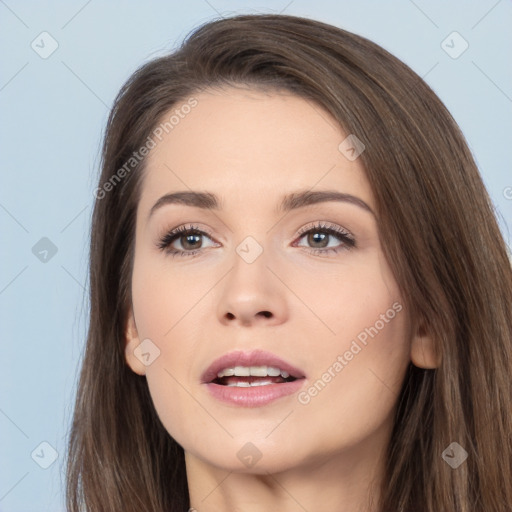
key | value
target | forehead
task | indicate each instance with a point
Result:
(252, 144)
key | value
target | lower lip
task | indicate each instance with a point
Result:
(255, 396)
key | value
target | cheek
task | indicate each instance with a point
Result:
(346, 299)
(360, 364)
(165, 305)
(163, 298)
(355, 393)
(179, 414)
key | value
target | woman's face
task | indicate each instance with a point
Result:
(260, 277)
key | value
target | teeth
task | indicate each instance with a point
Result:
(247, 384)
(258, 371)
(255, 371)
(242, 371)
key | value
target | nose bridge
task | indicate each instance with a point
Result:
(249, 270)
(250, 291)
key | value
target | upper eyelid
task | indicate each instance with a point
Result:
(320, 224)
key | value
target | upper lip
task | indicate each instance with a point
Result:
(252, 358)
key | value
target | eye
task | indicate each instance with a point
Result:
(190, 239)
(319, 234)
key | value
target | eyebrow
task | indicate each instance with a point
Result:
(293, 201)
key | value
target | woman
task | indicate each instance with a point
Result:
(300, 297)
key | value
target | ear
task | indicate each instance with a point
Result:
(132, 341)
(423, 350)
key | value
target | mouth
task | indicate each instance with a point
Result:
(249, 376)
(250, 369)
(252, 379)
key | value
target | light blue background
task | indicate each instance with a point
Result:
(53, 113)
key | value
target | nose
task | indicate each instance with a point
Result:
(251, 294)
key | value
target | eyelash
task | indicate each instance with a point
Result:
(346, 238)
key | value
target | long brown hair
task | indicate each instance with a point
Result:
(438, 231)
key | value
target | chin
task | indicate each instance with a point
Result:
(249, 457)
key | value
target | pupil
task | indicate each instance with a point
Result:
(191, 237)
(314, 238)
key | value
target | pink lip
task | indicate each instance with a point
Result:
(253, 358)
(251, 396)
(254, 396)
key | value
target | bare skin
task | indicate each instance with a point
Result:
(318, 450)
